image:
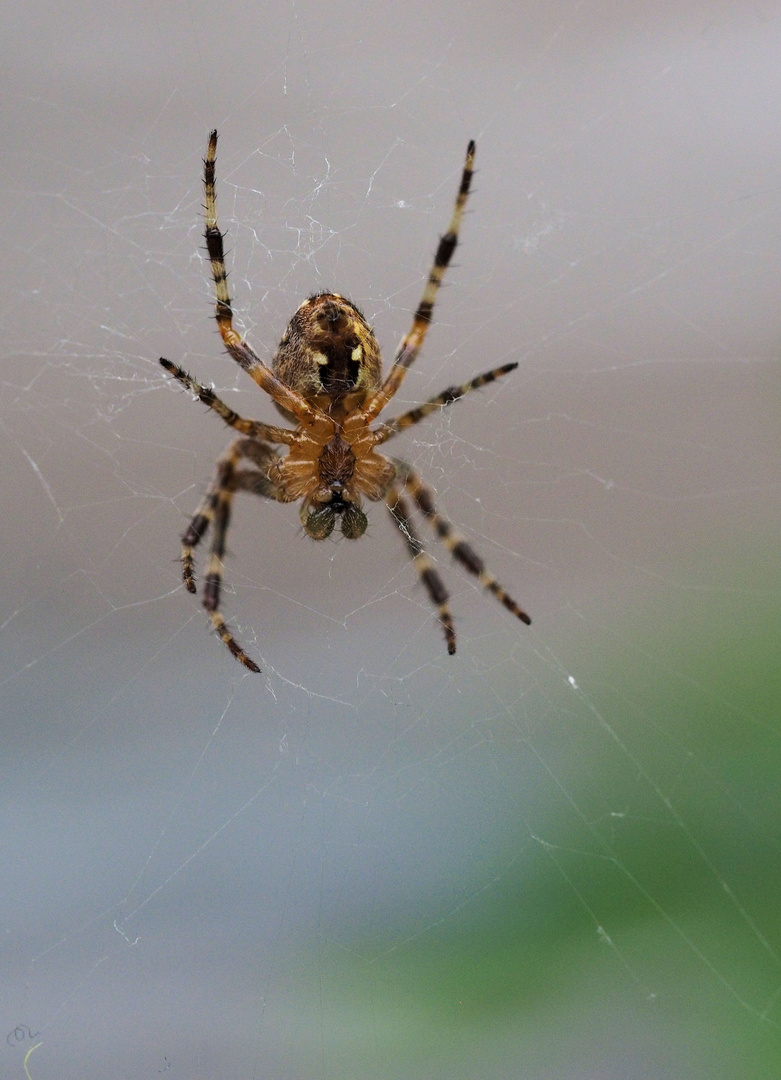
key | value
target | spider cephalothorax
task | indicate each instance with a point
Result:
(326, 379)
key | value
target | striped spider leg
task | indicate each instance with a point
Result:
(326, 379)
(423, 498)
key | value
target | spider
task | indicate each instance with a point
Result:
(326, 378)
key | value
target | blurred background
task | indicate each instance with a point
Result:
(556, 854)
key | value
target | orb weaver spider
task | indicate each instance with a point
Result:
(326, 379)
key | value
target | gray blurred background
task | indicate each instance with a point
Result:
(553, 855)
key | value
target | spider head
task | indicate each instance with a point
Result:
(329, 352)
(319, 521)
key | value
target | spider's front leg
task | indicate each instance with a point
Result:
(409, 482)
(203, 517)
(424, 566)
(215, 510)
(463, 553)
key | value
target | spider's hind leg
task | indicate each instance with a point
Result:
(413, 341)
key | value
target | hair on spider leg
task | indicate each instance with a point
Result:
(326, 380)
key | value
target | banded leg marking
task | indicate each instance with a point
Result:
(412, 343)
(426, 571)
(253, 428)
(447, 397)
(213, 580)
(215, 510)
(456, 544)
(215, 249)
(204, 515)
(241, 352)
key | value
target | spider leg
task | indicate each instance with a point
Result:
(257, 452)
(447, 397)
(412, 343)
(462, 552)
(400, 512)
(213, 580)
(244, 356)
(254, 483)
(253, 428)
(215, 510)
(199, 526)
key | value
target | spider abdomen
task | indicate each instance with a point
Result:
(329, 351)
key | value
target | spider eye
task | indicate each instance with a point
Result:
(354, 522)
(319, 524)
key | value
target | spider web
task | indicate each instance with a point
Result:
(555, 854)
